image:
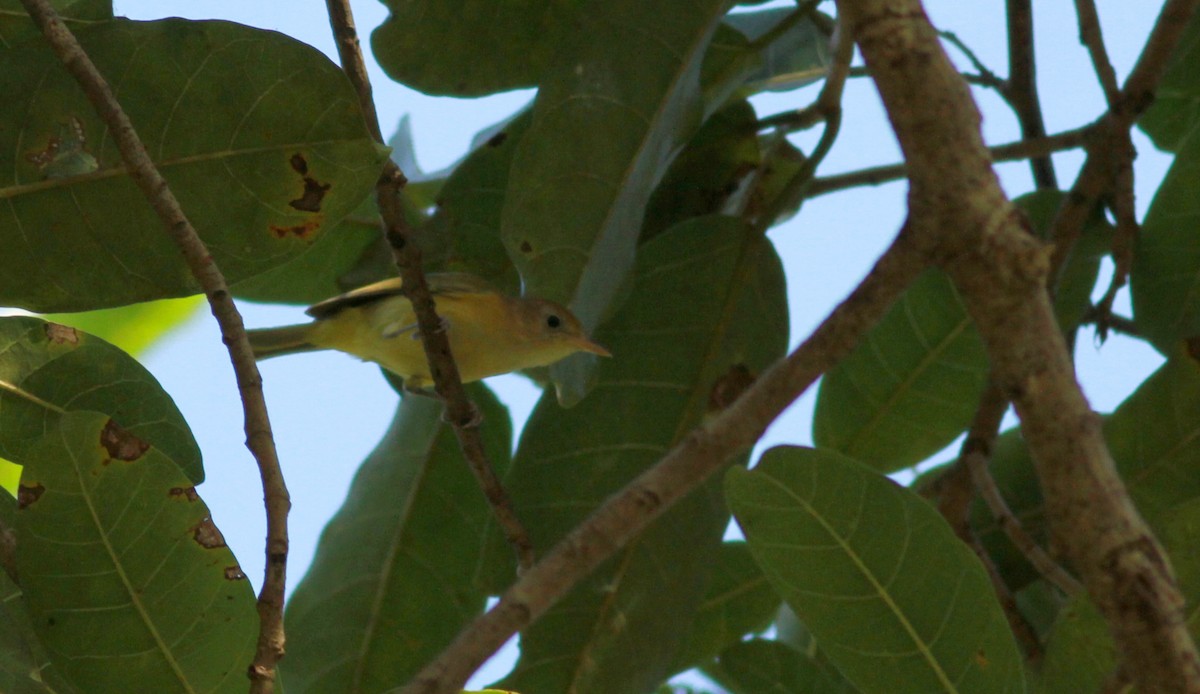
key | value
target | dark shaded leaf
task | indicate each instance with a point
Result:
(1176, 107)
(464, 47)
(760, 666)
(1166, 261)
(395, 574)
(739, 601)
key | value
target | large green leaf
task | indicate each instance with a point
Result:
(394, 577)
(760, 666)
(739, 601)
(48, 369)
(623, 95)
(464, 47)
(260, 137)
(878, 577)
(1165, 279)
(707, 308)
(126, 576)
(911, 386)
(1176, 107)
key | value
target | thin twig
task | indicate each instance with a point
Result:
(1033, 552)
(985, 75)
(257, 424)
(1091, 37)
(1021, 91)
(1012, 151)
(1120, 324)
(461, 413)
(701, 453)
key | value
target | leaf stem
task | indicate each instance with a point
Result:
(461, 413)
(259, 438)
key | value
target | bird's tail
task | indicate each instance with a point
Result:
(274, 342)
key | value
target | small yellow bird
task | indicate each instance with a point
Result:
(489, 333)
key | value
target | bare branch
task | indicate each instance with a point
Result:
(701, 453)
(1093, 39)
(461, 413)
(1021, 89)
(259, 438)
(1012, 151)
(960, 215)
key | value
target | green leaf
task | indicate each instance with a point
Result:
(797, 57)
(1154, 437)
(911, 386)
(1080, 654)
(1166, 261)
(47, 370)
(707, 173)
(16, 27)
(1176, 107)
(126, 576)
(395, 574)
(133, 328)
(464, 47)
(24, 666)
(284, 158)
(622, 97)
(877, 576)
(739, 601)
(466, 222)
(760, 666)
(1073, 293)
(320, 271)
(707, 310)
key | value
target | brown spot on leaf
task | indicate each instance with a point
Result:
(188, 493)
(1193, 347)
(120, 444)
(497, 139)
(314, 191)
(526, 248)
(301, 231)
(28, 494)
(234, 573)
(299, 164)
(62, 334)
(207, 535)
(728, 387)
(981, 659)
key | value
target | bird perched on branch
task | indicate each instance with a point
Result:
(489, 333)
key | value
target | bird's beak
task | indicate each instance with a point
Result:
(585, 345)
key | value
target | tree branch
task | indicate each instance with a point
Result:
(1093, 40)
(959, 213)
(701, 453)
(460, 411)
(1021, 88)
(1012, 151)
(259, 438)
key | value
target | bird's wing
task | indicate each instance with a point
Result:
(440, 284)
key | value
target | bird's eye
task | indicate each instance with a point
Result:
(553, 321)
